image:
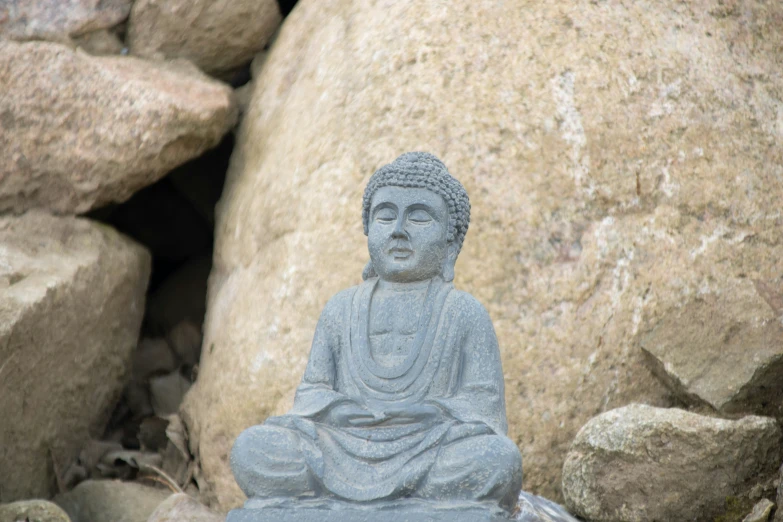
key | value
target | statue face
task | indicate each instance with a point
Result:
(407, 234)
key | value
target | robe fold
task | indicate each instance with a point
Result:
(455, 365)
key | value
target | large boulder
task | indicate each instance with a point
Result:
(218, 36)
(71, 304)
(80, 131)
(643, 464)
(59, 20)
(621, 160)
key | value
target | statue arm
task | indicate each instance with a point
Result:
(316, 394)
(480, 394)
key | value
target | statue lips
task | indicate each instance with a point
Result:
(400, 252)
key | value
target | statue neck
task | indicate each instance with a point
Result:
(392, 286)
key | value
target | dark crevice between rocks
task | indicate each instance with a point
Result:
(286, 6)
(174, 219)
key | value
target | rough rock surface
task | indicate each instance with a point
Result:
(724, 350)
(760, 512)
(79, 131)
(218, 36)
(71, 303)
(623, 161)
(640, 463)
(111, 500)
(32, 511)
(779, 498)
(183, 508)
(59, 20)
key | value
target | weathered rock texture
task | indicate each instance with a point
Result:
(218, 36)
(623, 161)
(79, 131)
(59, 20)
(183, 508)
(71, 303)
(724, 350)
(639, 463)
(32, 511)
(111, 500)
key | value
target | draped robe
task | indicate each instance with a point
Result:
(454, 364)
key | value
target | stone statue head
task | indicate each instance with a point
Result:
(415, 217)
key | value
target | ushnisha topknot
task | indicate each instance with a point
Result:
(423, 170)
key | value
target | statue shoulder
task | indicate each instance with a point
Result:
(469, 308)
(336, 306)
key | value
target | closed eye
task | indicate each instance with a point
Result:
(385, 215)
(419, 216)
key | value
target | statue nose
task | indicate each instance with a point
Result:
(399, 228)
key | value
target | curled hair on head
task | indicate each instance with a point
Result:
(423, 170)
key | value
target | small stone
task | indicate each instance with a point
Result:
(185, 340)
(111, 500)
(167, 391)
(640, 463)
(100, 43)
(761, 511)
(32, 511)
(181, 507)
(153, 357)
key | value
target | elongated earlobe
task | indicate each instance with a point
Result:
(448, 267)
(368, 272)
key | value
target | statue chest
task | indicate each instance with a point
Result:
(394, 323)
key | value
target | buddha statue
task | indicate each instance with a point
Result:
(401, 403)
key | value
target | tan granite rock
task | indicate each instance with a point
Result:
(218, 36)
(71, 304)
(640, 464)
(723, 350)
(59, 20)
(79, 131)
(623, 161)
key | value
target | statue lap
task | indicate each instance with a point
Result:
(268, 462)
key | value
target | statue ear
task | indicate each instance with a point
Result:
(448, 265)
(369, 271)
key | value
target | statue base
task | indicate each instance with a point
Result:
(347, 512)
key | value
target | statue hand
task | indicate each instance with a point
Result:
(347, 414)
(422, 412)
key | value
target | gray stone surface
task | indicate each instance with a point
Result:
(639, 463)
(779, 498)
(351, 514)
(32, 511)
(111, 501)
(181, 507)
(760, 512)
(533, 508)
(403, 395)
